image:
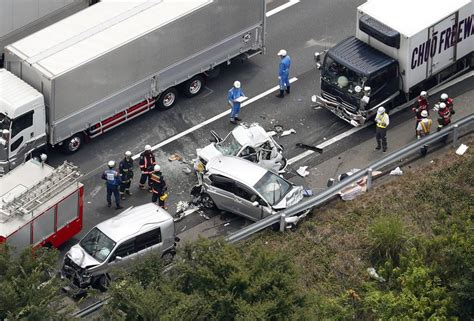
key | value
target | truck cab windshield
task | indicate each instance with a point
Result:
(340, 76)
(4, 122)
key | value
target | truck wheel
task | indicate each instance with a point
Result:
(167, 99)
(73, 143)
(193, 86)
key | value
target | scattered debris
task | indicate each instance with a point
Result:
(186, 170)
(88, 202)
(307, 192)
(461, 149)
(302, 171)
(355, 189)
(183, 228)
(278, 128)
(431, 162)
(373, 274)
(288, 132)
(204, 215)
(226, 224)
(396, 172)
(311, 147)
(175, 157)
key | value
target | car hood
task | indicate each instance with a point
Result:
(294, 196)
(80, 257)
(209, 152)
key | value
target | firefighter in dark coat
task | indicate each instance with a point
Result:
(126, 173)
(158, 186)
(146, 163)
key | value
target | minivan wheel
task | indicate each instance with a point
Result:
(207, 201)
(167, 257)
(102, 283)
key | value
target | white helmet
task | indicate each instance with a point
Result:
(237, 84)
(128, 153)
(157, 168)
(423, 94)
(442, 106)
(424, 113)
(148, 147)
(281, 53)
(444, 96)
(381, 110)
(111, 164)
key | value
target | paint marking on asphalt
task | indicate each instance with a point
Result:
(210, 120)
(282, 7)
(392, 112)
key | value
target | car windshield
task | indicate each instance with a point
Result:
(341, 76)
(229, 146)
(272, 188)
(97, 244)
(4, 122)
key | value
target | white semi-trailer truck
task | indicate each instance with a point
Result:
(400, 48)
(19, 19)
(112, 62)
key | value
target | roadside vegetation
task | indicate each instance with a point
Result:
(416, 231)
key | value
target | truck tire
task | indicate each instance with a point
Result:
(73, 143)
(193, 86)
(167, 99)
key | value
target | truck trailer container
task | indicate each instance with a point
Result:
(40, 205)
(19, 19)
(116, 60)
(400, 48)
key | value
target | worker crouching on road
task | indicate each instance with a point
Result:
(423, 129)
(126, 174)
(421, 104)
(233, 94)
(112, 178)
(146, 163)
(381, 123)
(444, 116)
(449, 102)
(284, 73)
(158, 186)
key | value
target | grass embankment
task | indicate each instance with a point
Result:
(416, 230)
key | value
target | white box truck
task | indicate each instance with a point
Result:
(114, 61)
(400, 48)
(19, 19)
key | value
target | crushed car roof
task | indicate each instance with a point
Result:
(252, 135)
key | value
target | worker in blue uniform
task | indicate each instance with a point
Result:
(113, 180)
(284, 73)
(232, 96)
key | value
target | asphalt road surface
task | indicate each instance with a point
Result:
(302, 28)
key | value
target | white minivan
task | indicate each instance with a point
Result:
(118, 240)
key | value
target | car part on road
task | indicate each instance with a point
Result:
(310, 147)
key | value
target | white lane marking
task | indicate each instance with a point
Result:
(210, 120)
(392, 112)
(282, 7)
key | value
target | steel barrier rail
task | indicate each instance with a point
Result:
(332, 191)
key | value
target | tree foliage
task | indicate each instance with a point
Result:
(28, 285)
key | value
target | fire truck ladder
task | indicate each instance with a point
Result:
(61, 178)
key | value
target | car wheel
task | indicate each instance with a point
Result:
(102, 283)
(207, 201)
(73, 143)
(193, 86)
(167, 99)
(167, 257)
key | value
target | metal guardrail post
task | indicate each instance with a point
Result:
(282, 223)
(369, 179)
(455, 135)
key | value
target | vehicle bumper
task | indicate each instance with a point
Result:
(355, 119)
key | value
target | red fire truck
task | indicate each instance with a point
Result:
(40, 205)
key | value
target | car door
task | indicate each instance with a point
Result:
(249, 153)
(150, 241)
(245, 205)
(123, 253)
(221, 191)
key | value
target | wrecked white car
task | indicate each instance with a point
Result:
(244, 188)
(250, 142)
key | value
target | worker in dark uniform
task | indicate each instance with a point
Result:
(158, 186)
(126, 174)
(146, 163)
(112, 178)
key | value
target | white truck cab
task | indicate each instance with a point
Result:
(22, 121)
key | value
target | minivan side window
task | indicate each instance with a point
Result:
(22, 122)
(243, 192)
(222, 182)
(124, 249)
(148, 239)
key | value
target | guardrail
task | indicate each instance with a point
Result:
(332, 191)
